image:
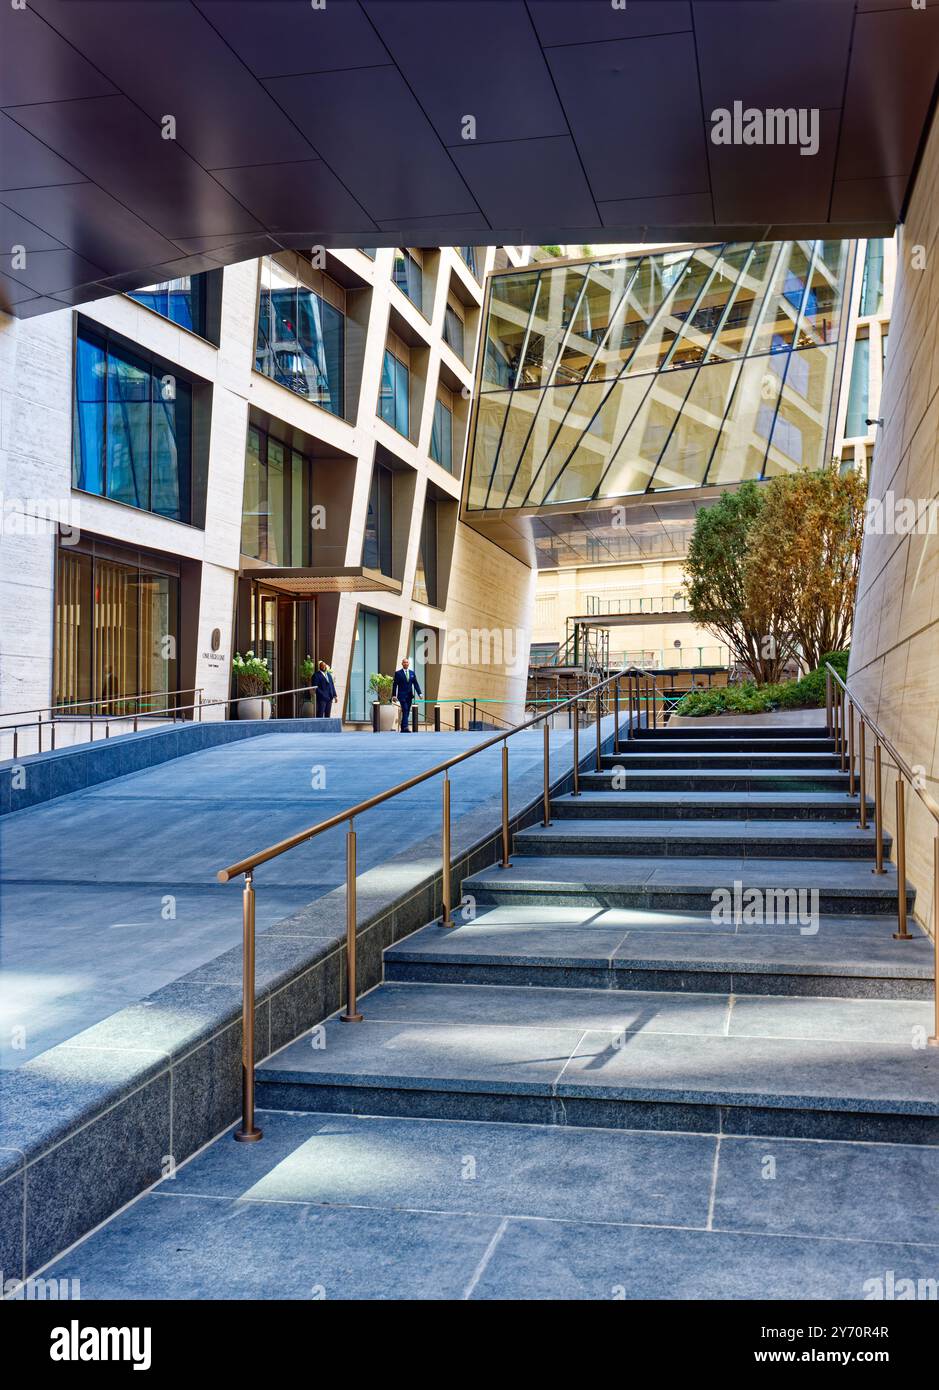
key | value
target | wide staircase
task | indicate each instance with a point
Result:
(697, 941)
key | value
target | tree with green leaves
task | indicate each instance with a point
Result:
(751, 622)
(804, 555)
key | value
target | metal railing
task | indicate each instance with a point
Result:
(640, 685)
(96, 712)
(842, 711)
(174, 710)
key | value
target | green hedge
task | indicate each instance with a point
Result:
(807, 693)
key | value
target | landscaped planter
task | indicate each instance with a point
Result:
(388, 718)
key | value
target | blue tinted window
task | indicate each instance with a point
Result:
(91, 373)
(453, 331)
(393, 403)
(183, 301)
(407, 275)
(441, 436)
(301, 342)
(132, 437)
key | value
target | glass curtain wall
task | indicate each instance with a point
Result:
(407, 274)
(132, 429)
(301, 331)
(364, 666)
(441, 435)
(672, 370)
(116, 633)
(276, 505)
(376, 546)
(394, 393)
(183, 301)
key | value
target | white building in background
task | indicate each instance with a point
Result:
(263, 456)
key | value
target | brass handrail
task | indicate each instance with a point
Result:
(249, 1131)
(840, 709)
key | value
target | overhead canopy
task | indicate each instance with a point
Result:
(144, 141)
(349, 579)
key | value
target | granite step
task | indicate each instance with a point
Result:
(629, 757)
(661, 743)
(734, 732)
(839, 886)
(630, 949)
(708, 805)
(794, 779)
(706, 838)
(708, 1062)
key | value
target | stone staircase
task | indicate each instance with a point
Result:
(696, 942)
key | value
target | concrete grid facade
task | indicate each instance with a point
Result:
(475, 582)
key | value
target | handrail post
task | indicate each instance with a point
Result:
(506, 862)
(446, 918)
(862, 776)
(841, 739)
(934, 1039)
(878, 812)
(827, 701)
(852, 781)
(902, 934)
(351, 1014)
(249, 1132)
(547, 775)
(575, 727)
(599, 733)
(629, 708)
(616, 715)
(436, 719)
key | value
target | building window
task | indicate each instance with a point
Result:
(425, 578)
(441, 436)
(301, 335)
(116, 633)
(423, 652)
(183, 301)
(469, 256)
(369, 251)
(394, 397)
(453, 331)
(364, 665)
(872, 284)
(407, 274)
(858, 392)
(376, 548)
(275, 512)
(132, 429)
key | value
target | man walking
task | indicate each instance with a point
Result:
(404, 688)
(325, 688)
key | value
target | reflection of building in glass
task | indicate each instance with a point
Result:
(683, 368)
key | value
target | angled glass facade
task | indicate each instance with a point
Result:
(650, 373)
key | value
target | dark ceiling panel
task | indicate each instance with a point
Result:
(345, 115)
(504, 84)
(509, 181)
(36, 64)
(788, 53)
(294, 195)
(777, 182)
(171, 61)
(277, 38)
(25, 162)
(16, 231)
(588, 21)
(635, 113)
(48, 272)
(887, 102)
(111, 142)
(83, 217)
(342, 124)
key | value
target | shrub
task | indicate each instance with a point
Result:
(251, 673)
(807, 693)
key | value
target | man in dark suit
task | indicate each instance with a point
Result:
(325, 688)
(404, 688)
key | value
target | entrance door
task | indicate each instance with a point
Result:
(284, 634)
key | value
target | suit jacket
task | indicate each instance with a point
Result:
(323, 685)
(405, 686)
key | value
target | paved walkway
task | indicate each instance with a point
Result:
(108, 894)
(358, 1207)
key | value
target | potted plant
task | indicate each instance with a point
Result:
(381, 686)
(307, 671)
(252, 679)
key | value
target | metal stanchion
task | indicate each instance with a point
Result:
(351, 1014)
(902, 934)
(576, 731)
(446, 917)
(249, 1132)
(547, 775)
(862, 776)
(878, 812)
(506, 862)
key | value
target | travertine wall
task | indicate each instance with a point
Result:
(895, 650)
